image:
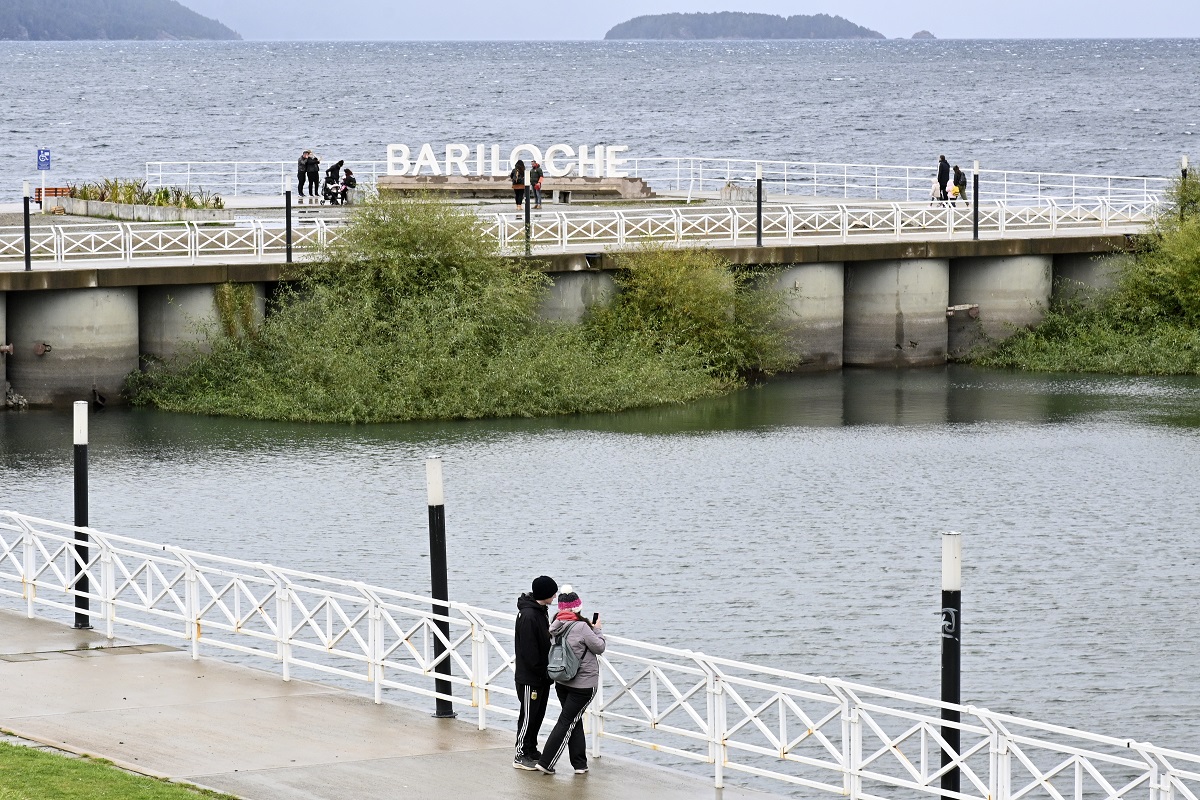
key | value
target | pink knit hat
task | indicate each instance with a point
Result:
(568, 600)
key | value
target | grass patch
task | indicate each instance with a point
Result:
(29, 774)
(414, 315)
(1148, 325)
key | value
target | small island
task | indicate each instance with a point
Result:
(923, 35)
(70, 20)
(739, 25)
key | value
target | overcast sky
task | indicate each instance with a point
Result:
(527, 19)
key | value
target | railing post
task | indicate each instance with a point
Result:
(845, 222)
(897, 220)
(375, 645)
(283, 627)
(717, 749)
(192, 603)
(28, 587)
(108, 585)
(851, 748)
(480, 690)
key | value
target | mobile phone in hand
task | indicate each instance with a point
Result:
(595, 617)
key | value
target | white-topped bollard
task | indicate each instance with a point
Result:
(439, 582)
(951, 651)
(83, 620)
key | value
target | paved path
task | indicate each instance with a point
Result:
(152, 709)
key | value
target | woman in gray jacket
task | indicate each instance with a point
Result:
(587, 641)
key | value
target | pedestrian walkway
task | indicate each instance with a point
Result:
(151, 709)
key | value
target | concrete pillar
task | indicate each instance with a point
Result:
(815, 299)
(1082, 274)
(895, 312)
(572, 292)
(88, 340)
(1011, 292)
(3, 340)
(175, 319)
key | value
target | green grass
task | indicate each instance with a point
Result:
(1148, 325)
(414, 315)
(29, 774)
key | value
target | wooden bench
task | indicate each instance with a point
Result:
(51, 191)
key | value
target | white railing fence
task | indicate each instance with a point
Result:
(717, 177)
(588, 229)
(785, 727)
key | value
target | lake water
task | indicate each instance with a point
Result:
(795, 524)
(105, 108)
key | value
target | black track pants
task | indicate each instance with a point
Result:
(533, 701)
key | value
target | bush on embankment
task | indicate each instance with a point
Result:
(414, 315)
(1148, 325)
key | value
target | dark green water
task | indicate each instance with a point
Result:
(795, 524)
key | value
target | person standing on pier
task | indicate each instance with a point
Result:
(960, 183)
(586, 640)
(302, 172)
(517, 176)
(531, 646)
(313, 171)
(535, 183)
(943, 177)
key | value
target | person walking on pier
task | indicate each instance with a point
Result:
(943, 177)
(517, 176)
(302, 172)
(960, 183)
(586, 641)
(531, 646)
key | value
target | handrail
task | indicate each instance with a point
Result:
(792, 728)
(590, 229)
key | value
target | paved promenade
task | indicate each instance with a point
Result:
(150, 708)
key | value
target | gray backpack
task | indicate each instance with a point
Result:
(563, 664)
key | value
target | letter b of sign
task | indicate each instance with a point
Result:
(949, 623)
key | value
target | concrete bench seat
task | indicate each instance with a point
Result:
(563, 190)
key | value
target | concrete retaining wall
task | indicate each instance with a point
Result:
(895, 312)
(132, 213)
(573, 292)
(1084, 274)
(815, 298)
(1012, 292)
(175, 320)
(71, 342)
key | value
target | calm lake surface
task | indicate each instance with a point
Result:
(1123, 107)
(795, 524)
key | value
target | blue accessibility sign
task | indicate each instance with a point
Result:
(43, 158)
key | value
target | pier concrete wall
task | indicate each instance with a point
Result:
(895, 312)
(1012, 292)
(880, 304)
(71, 343)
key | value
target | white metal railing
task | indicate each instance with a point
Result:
(813, 732)
(717, 177)
(589, 229)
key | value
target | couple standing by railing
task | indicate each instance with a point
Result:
(958, 191)
(563, 653)
(518, 178)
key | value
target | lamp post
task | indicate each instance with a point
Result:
(975, 194)
(758, 212)
(83, 619)
(28, 247)
(951, 655)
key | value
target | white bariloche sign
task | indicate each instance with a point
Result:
(558, 160)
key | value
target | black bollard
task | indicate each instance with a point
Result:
(951, 646)
(83, 620)
(28, 241)
(975, 194)
(758, 214)
(287, 225)
(439, 581)
(528, 245)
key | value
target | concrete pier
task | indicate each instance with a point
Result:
(72, 342)
(815, 298)
(175, 319)
(895, 312)
(573, 292)
(151, 709)
(1012, 292)
(1082, 274)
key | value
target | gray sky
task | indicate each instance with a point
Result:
(527, 19)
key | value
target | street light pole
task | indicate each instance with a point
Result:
(758, 215)
(975, 194)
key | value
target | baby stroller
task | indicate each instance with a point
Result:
(331, 192)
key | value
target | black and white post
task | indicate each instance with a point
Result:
(758, 211)
(28, 239)
(1183, 168)
(951, 646)
(439, 581)
(287, 224)
(975, 194)
(83, 619)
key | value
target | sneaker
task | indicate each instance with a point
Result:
(545, 770)
(581, 770)
(525, 763)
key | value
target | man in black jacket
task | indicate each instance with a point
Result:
(531, 645)
(943, 177)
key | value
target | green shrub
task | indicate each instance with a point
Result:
(136, 192)
(413, 314)
(1149, 324)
